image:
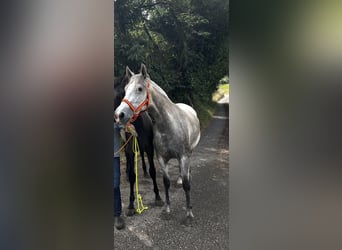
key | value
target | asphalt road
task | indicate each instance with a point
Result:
(209, 194)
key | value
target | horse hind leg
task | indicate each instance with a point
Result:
(185, 172)
(152, 170)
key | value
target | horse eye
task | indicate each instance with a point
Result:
(140, 89)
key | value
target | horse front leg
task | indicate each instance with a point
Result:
(127, 170)
(142, 153)
(131, 176)
(158, 201)
(143, 163)
(166, 180)
(185, 172)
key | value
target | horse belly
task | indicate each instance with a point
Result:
(168, 147)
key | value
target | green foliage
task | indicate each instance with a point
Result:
(224, 80)
(184, 44)
(222, 89)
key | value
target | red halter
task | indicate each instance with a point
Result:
(138, 110)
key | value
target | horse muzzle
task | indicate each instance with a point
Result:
(116, 118)
(122, 116)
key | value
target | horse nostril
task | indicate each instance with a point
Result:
(121, 115)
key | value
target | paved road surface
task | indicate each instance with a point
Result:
(209, 193)
(224, 99)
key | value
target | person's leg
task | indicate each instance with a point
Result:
(117, 194)
(118, 221)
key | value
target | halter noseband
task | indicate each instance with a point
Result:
(138, 110)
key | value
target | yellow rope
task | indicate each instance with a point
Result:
(123, 146)
(140, 205)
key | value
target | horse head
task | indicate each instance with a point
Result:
(137, 96)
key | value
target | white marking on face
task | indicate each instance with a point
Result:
(135, 93)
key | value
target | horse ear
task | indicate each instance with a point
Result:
(143, 70)
(129, 73)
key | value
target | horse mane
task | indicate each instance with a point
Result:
(160, 90)
(121, 81)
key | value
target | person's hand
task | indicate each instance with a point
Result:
(131, 129)
(123, 134)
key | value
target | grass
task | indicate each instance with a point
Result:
(205, 112)
(222, 89)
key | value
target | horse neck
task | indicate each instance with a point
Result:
(161, 106)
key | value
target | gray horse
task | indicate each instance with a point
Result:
(176, 126)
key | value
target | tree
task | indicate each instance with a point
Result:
(184, 43)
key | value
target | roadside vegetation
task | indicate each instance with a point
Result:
(183, 43)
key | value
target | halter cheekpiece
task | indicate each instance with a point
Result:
(138, 110)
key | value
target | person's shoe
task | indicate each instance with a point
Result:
(119, 222)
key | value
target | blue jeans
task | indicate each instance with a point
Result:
(117, 194)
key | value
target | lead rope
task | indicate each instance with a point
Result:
(140, 205)
(123, 146)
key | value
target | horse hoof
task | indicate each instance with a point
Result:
(165, 215)
(130, 212)
(179, 182)
(187, 221)
(189, 214)
(167, 209)
(159, 202)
